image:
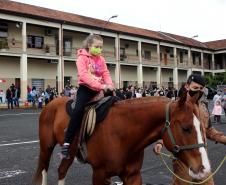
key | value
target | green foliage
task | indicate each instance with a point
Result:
(214, 80)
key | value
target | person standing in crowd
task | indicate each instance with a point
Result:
(33, 95)
(17, 97)
(40, 100)
(217, 111)
(46, 97)
(48, 89)
(9, 97)
(93, 77)
(73, 92)
(66, 91)
(217, 97)
(1, 95)
(224, 102)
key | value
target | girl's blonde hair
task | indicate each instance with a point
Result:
(89, 40)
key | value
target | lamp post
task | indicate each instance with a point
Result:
(112, 17)
(194, 36)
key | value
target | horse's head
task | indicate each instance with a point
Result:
(187, 137)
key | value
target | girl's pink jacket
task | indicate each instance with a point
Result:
(217, 110)
(92, 71)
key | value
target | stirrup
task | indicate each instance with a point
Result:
(65, 152)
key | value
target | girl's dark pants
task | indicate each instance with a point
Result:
(84, 95)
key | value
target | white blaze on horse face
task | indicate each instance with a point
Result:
(205, 161)
(44, 177)
(61, 182)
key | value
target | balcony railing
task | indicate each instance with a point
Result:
(152, 61)
(167, 63)
(207, 65)
(183, 64)
(109, 56)
(10, 45)
(197, 66)
(132, 59)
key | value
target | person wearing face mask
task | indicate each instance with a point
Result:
(93, 77)
(195, 84)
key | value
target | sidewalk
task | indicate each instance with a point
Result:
(22, 105)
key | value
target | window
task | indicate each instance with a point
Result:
(35, 42)
(3, 30)
(122, 54)
(67, 81)
(67, 46)
(181, 56)
(193, 58)
(147, 55)
(200, 62)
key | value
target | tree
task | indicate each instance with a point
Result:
(214, 80)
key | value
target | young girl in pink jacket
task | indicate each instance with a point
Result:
(217, 111)
(93, 76)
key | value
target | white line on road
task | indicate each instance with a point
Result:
(8, 174)
(19, 114)
(20, 143)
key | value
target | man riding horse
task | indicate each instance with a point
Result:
(195, 84)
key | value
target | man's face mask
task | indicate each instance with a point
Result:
(95, 51)
(193, 92)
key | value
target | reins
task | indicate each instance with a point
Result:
(184, 180)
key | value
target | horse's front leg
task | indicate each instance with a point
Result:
(66, 163)
(63, 168)
(131, 175)
(99, 177)
(132, 179)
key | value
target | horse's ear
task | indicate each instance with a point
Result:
(182, 99)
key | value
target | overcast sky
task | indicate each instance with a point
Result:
(205, 18)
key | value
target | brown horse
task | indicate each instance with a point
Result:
(130, 126)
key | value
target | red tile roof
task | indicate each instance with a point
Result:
(26, 10)
(187, 41)
(217, 44)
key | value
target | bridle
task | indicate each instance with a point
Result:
(176, 148)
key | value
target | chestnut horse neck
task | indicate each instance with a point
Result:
(143, 117)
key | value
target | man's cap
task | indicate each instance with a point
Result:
(199, 79)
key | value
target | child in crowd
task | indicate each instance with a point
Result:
(40, 100)
(217, 111)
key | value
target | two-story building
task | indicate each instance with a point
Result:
(38, 48)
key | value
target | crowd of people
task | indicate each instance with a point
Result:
(219, 108)
(39, 97)
(12, 96)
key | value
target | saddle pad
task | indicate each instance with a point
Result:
(102, 107)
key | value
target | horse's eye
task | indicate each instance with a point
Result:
(186, 130)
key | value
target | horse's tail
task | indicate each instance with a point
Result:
(47, 141)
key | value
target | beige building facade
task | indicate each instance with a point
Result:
(40, 51)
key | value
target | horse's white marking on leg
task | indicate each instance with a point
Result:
(61, 182)
(44, 177)
(202, 150)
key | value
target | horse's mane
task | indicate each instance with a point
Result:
(144, 100)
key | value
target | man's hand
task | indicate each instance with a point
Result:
(157, 148)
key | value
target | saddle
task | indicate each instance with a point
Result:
(95, 112)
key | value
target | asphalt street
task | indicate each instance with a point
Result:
(19, 150)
